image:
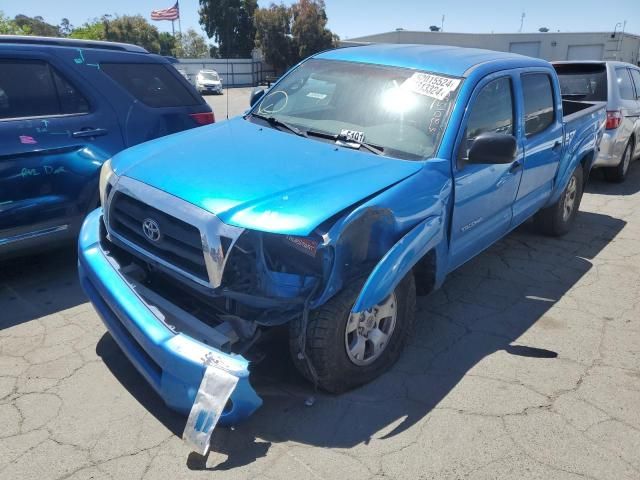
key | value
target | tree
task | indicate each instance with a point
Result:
(434, 28)
(168, 44)
(36, 26)
(65, 28)
(543, 29)
(9, 27)
(93, 30)
(132, 29)
(309, 28)
(273, 36)
(214, 51)
(192, 45)
(230, 24)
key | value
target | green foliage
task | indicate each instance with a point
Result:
(132, 29)
(93, 30)
(192, 45)
(9, 27)
(309, 28)
(273, 36)
(65, 28)
(230, 24)
(36, 26)
(167, 44)
(287, 35)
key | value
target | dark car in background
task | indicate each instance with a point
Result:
(67, 106)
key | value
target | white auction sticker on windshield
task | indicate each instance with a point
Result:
(352, 136)
(430, 85)
(319, 96)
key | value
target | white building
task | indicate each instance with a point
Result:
(550, 46)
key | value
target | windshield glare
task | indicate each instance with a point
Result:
(401, 110)
(209, 76)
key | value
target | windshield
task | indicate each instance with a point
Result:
(209, 76)
(583, 81)
(401, 111)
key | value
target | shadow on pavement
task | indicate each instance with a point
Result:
(483, 308)
(599, 185)
(38, 285)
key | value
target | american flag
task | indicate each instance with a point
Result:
(172, 13)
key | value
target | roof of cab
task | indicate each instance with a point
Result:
(445, 59)
(69, 42)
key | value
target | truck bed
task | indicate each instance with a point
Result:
(572, 109)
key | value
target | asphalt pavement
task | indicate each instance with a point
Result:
(526, 365)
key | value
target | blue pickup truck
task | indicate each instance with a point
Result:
(362, 176)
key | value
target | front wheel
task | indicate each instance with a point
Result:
(347, 350)
(557, 219)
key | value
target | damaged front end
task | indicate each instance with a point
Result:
(170, 281)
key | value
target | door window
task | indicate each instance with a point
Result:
(33, 89)
(151, 83)
(635, 74)
(492, 111)
(538, 102)
(624, 84)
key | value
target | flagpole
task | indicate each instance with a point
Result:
(179, 22)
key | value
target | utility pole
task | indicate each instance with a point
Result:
(442, 24)
(522, 21)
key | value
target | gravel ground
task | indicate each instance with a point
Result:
(525, 365)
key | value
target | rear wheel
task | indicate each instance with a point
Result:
(558, 218)
(619, 173)
(347, 350)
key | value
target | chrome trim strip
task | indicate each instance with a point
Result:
(211, 227)
(31, 235)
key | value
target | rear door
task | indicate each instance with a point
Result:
(150, 97)
(484, 193)
(54, 135)
(542, 142)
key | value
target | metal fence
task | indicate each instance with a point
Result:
(235, 72)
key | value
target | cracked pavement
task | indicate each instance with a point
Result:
(525, 365)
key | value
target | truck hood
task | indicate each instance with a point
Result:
(256, 177)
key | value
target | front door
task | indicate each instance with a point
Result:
(542, 141)
(53, 140)
(484, 193)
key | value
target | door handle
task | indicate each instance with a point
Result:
(515, 166)
(557, 144)
(89, 132)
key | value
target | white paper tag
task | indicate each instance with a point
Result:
(319, 96)
(433, 86)
(215, 389)
(352, 135)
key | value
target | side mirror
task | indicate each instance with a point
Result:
(256, 95)
(493, 148)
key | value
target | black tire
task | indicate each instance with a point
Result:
(325, 340)
(619, 173)
(552, 220)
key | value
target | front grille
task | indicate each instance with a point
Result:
(180, 244)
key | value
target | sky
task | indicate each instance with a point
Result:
(353, 18)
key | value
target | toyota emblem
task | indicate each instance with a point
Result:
(151, 229)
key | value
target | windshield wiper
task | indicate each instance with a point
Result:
(347, 142)
(273, 121)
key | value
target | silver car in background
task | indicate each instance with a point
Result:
(618, 84)
(208, 81)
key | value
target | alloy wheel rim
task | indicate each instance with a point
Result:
(367, 334)
(570, 198)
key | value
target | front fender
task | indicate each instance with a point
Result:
(397, 262)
